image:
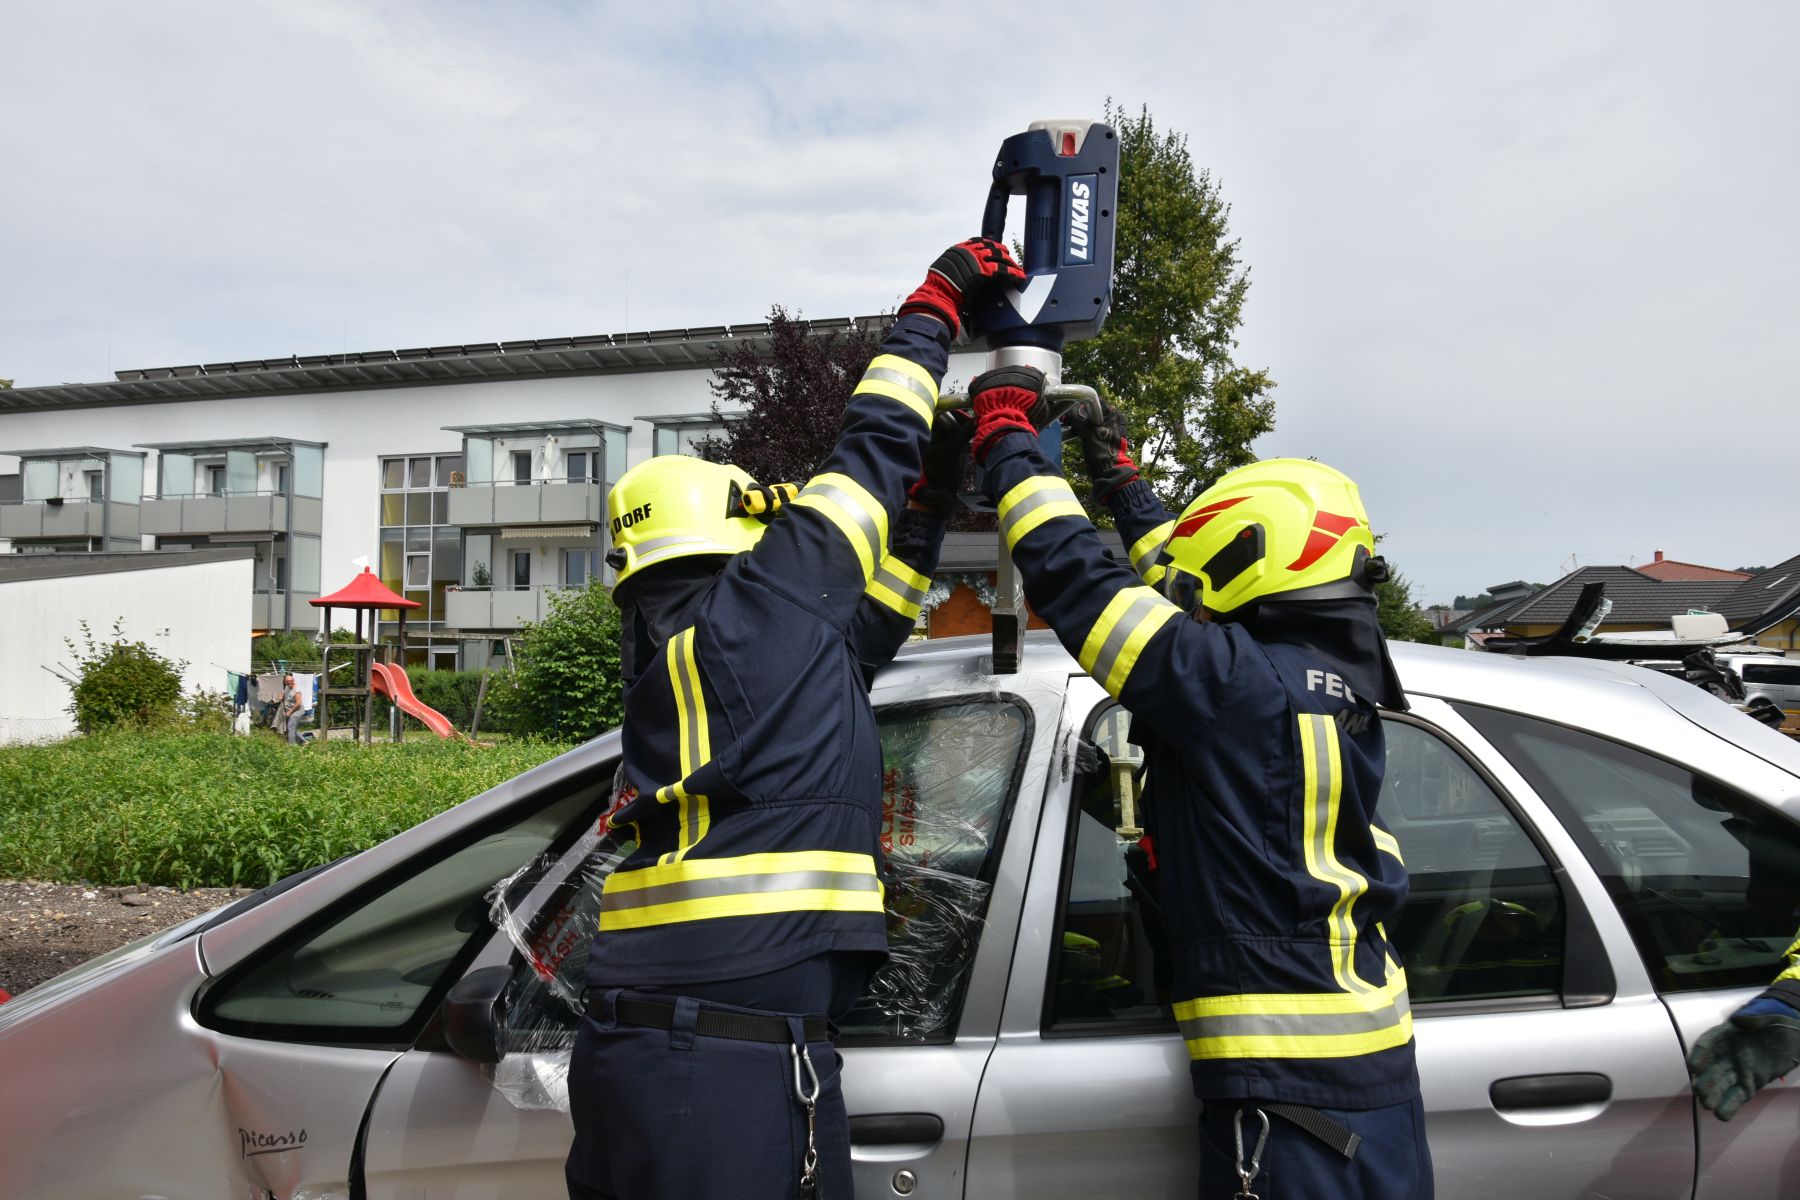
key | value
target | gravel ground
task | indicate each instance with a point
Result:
(46, 928)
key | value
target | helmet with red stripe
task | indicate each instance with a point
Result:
(1285, 527)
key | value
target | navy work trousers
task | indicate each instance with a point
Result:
(1392, 1163)
(667, 1114)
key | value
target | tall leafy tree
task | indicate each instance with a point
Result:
(1401, 618)
(786, 408)
(1165, 356)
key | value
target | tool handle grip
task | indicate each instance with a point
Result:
(1062, 398)
(993, 217)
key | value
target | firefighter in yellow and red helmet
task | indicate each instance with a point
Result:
(747, 912)
(1245, 644)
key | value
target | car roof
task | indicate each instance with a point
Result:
(1609, 698)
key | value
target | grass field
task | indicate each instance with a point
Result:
(213, 810)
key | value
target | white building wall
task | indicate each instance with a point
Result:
(360, 427)
(199, 612)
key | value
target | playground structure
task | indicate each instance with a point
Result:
(373, 667)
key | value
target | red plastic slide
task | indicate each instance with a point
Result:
(389, 679)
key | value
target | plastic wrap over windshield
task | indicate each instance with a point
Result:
(949, 773)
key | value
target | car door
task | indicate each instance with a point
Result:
(1707, 878)
(960, 773)
(1546, 1072)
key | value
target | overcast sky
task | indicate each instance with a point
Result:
(1529, 273)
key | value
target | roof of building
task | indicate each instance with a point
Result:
(16, 568)
(1763, 599)
(208, 444)
(1675, 569)
(652, 350)
(1636, 599)
(66, 451)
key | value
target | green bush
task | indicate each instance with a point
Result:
(121, 683)
(565, 684)
(268, 652)
(212, 810)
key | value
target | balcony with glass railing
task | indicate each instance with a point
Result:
(76, 497)
(269, 486)
(536, 474)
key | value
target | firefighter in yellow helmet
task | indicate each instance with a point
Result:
(1247, 649)
(747, 911)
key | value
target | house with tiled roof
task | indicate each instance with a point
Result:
(1763, 609)
(1675, 569)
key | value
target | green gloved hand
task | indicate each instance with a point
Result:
(1733, 1061)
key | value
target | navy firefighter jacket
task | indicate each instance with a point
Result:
(752, 760)
(1263, 769)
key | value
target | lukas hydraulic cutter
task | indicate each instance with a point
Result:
(1068, 172)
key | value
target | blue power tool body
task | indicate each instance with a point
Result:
(1068, 172)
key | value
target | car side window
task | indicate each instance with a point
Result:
(1708, 881)
(1112, 964)
(950, 773)
(1483, 918)
(373, 970)
(1483, 921)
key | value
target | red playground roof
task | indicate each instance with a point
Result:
(365, 591)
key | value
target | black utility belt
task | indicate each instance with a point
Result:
(710, 1022)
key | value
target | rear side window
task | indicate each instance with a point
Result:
(1708, 880)
(1781, 674)
(375, 968)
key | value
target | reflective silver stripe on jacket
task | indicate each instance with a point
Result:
(1121, 632)
(1335, 1024)
(907, 591)
(737, 885)
(902, 379)
(852, 508)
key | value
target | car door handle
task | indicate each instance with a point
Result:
(896, 1129)
(1550, 1091)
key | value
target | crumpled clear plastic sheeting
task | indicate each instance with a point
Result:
(949, 770)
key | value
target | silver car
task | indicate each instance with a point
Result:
(1604, 863)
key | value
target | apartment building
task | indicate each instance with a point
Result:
(471, 478)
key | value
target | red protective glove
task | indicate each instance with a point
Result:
(1005, 399)
(961, 275)
(1105, 452)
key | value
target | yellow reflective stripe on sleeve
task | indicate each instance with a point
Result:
(1033, 501)
(694, 814)
(1127, 623)
(749, 885)
(849, 506)
(898, 587)
(903, 380)
(1298, 1025)
(1143, 552)
(1321, 769)
(1389, 844)
(1793, 967)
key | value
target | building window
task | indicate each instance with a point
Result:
(281, 479)
(96, 485)
(420, 551)
(215, 480)
(521, 463)
(521, 568)
(580, 463)
(580, 567)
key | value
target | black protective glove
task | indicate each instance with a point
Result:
(1105, 452)
(961, 276)
(1731, 1062)
(940, 483)
(1007, 399)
